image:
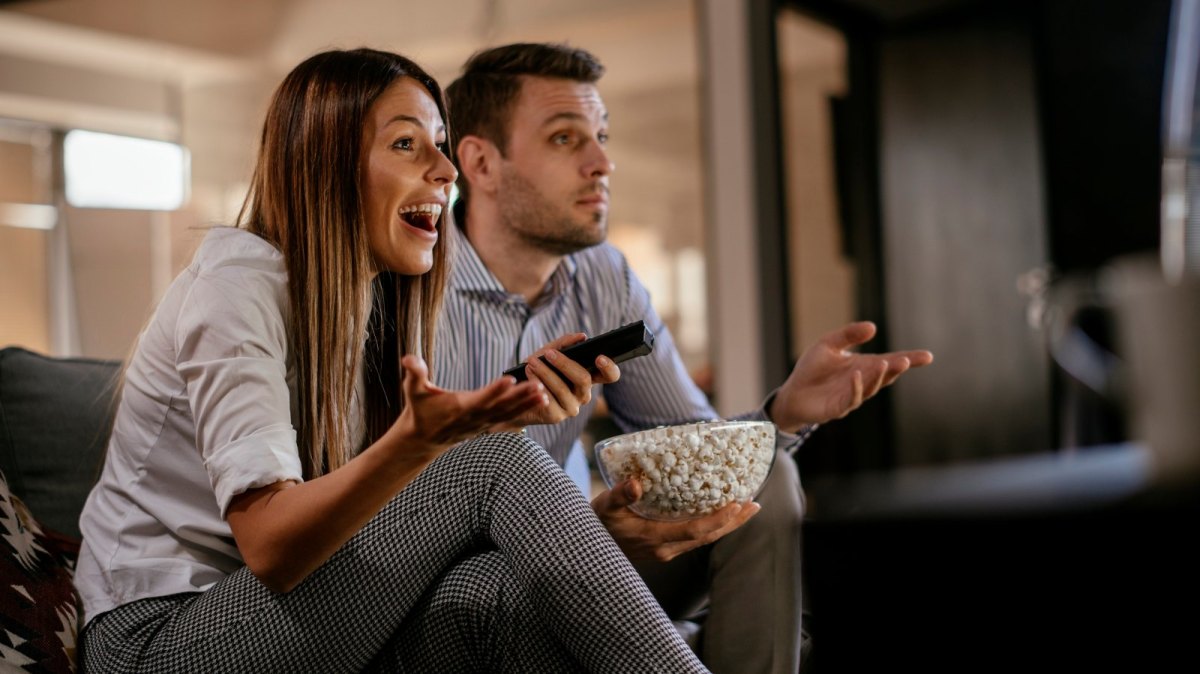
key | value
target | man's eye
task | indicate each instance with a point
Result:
(403, 144)
(562, 139)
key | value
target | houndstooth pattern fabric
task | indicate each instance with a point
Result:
(589, 608)
(479, 613)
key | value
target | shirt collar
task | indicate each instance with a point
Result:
(468, 272)
(470, 275)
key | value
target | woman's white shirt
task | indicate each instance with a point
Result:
(205, 414)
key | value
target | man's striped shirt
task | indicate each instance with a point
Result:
(484, 329)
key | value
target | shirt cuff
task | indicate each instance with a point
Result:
(784, 440)
(258, 460)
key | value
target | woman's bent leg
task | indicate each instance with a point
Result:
(499, 490)
(476, 619)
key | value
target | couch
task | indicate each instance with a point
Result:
(54, 415)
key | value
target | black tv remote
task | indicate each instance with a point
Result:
(620, 345)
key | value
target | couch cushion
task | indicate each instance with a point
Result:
(54, 415)
(39, 608)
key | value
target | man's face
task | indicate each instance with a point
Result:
(554, 177)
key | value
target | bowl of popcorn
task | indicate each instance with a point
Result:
(690, 470)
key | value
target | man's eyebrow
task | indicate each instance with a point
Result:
(569, 116)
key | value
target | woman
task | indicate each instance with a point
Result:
(235, 526)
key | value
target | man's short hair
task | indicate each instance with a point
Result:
(481, 100)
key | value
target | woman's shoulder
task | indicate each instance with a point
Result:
(235, 263)
(231, 248)
(236, 286)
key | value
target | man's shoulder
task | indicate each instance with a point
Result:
(603, 258)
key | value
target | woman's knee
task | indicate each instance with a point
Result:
(504, 452)
(507, 442)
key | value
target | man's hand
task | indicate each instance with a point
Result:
(642, 538)
(569, 393)
(830, 381)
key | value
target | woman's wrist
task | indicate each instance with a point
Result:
(407, 450)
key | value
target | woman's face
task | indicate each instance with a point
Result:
(406, 177)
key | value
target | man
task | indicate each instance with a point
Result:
(533, 270)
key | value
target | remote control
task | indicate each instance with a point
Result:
(620, 345)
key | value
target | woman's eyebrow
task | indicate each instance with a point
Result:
(405, 118)
(441, 128)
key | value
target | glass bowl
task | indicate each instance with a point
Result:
(690, 470)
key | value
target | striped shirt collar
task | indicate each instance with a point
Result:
(470, 275)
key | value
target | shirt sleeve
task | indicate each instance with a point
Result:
(657, 390)
(231, 350)
(784, 440)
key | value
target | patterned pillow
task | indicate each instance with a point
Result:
(39, 608)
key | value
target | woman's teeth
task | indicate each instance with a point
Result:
(422, 216)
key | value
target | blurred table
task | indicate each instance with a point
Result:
(1052, 562)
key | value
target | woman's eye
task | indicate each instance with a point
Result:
(403, 144)
(602, 137)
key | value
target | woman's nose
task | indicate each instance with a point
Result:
(443, 170)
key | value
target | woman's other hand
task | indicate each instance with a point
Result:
(435, 418)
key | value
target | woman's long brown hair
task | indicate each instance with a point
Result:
(306, 199)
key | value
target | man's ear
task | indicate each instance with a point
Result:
(479, 161)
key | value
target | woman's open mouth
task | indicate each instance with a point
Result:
(422, 216)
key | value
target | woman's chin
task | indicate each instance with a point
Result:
(415, 267)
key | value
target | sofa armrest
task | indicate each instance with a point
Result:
(54, 424)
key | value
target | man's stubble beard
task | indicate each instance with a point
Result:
(543, 225)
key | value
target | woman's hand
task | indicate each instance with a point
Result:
(572, 390)
(435, 419)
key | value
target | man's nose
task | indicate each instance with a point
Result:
(598, 164)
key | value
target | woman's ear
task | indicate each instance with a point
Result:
(479, 162)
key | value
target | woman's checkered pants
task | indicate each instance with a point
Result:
(491, 560)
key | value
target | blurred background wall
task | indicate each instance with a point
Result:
(199, 74)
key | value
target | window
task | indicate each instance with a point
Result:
(108, 171)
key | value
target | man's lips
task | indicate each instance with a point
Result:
(593, 200)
